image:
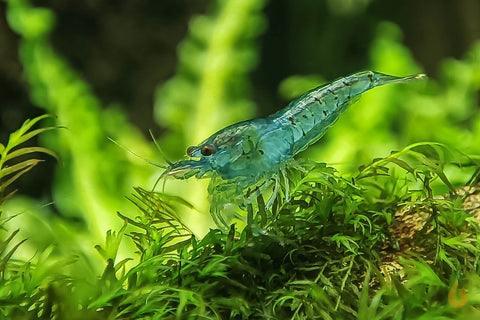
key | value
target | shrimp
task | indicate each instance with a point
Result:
(245, 153)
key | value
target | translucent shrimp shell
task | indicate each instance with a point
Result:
(257, 148)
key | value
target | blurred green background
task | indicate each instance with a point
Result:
(185, 69)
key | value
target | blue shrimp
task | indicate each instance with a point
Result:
(247, 152)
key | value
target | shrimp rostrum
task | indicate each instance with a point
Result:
(254, 150)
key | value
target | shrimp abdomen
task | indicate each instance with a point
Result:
(308, 117)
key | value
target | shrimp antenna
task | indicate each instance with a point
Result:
(159, 149)
(158, 180)
(143, 158)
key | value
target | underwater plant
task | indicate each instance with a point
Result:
(390, 238)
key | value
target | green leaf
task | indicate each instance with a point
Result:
(401, 164)
(421, 273)
(27, 136)
(30, 163)
(112, 243)
(8, 255)
(24, 151)
(4, 243)
(29, 123)
(6, 183)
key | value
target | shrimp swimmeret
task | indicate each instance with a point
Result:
(257, 150)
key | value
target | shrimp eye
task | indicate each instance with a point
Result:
(189, 150)
(207, 150)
